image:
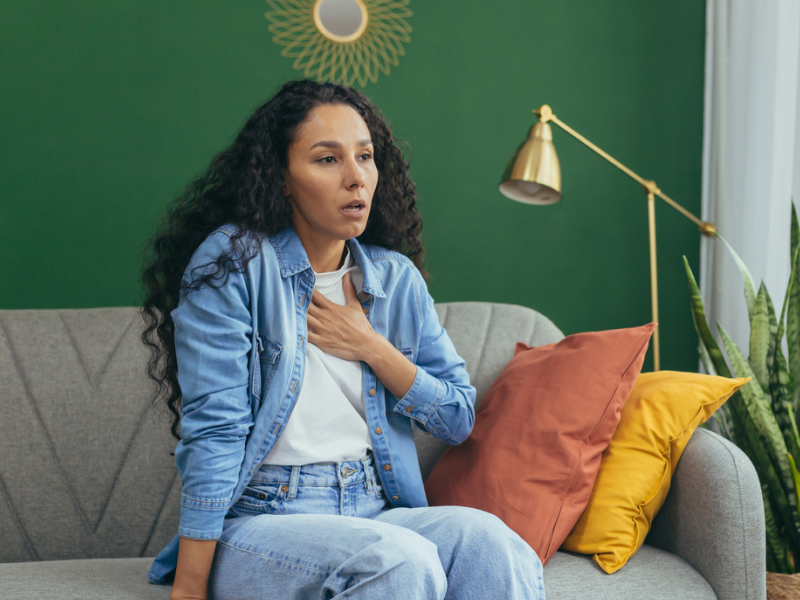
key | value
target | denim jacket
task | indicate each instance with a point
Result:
(241, 357)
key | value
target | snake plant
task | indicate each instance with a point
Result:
(761, 418)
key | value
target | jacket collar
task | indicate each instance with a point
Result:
(293, 259)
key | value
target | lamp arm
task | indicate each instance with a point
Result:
(705, 227)
(545, 114)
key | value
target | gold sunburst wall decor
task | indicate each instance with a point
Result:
(345, 41)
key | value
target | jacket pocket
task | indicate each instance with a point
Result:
(268, 355)
(408, 353)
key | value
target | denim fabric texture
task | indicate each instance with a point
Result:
(326, 531)
(240, 347)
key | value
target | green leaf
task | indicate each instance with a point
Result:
(762, 335)
(792, 310)
(785, 514)
(772, 564)
(777, 545)
(746, 436)
(782, 406)
(795, 474)
(795, 231)
(706, 359)
(723, 418)
(749, 288)
(701, 326)
(760, 411)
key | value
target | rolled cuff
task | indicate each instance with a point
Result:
(202, 523)
(422, 397)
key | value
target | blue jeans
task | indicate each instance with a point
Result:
(326, 531)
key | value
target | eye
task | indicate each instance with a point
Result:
(325, 159)
(367, 154)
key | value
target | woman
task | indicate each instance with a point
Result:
(300, 342)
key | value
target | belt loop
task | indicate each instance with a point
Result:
(365, 464)
(293, 483)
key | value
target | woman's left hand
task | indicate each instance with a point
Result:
(341, 330)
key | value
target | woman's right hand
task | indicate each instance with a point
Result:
(194, 565)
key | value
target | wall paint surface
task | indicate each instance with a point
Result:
(109, 109)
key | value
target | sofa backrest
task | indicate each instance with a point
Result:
(85, 464)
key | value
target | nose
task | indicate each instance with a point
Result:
(355, 176)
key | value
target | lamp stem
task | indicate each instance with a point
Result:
(546, 114)
(651, 223)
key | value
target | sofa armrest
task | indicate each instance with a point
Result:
(713, 518)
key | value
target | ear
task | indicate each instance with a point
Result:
(287, 190)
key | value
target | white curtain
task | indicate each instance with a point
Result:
(751, 154)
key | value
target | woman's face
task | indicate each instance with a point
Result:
(330, 167)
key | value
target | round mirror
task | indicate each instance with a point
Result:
(340, 20)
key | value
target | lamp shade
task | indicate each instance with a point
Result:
(533, 175)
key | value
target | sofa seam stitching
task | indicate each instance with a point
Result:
(160, 512)
(121, 467)
(113, 352)
(22, 531)
(75, 349)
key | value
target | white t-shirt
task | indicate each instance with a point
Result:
(328, 423)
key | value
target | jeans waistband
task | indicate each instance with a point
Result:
(342, 474)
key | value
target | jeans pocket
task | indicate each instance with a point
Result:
(261, 498)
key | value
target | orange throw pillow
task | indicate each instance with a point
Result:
(540, 432)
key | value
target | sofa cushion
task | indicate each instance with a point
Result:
(650, 575)
(659, 418)
(83, 579)
(540, 432)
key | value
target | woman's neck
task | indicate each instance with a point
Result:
(327, 257)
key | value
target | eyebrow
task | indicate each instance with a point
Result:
(328, 144)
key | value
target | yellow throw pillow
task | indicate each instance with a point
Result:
(658, 419)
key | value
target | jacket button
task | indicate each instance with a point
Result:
(395, 497)
(409, 408)
(284, 488)
(387, 467)
(378, 430)
(366, 310)
(372, 392)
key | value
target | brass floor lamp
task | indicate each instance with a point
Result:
(533, 176)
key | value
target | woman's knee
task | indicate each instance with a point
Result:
(366, 558)
(408, 550)
(485, 555)
(488, 534)
(394, 559)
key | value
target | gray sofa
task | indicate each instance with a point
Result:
(89, 491)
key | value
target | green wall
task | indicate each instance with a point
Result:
(107, 109)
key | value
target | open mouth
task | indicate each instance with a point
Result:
(355, 207)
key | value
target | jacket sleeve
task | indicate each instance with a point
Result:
(441, 398)
(213, 329)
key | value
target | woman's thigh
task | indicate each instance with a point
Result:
(311, 556)
(481, 556)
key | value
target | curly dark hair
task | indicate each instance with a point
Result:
(243, 186)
